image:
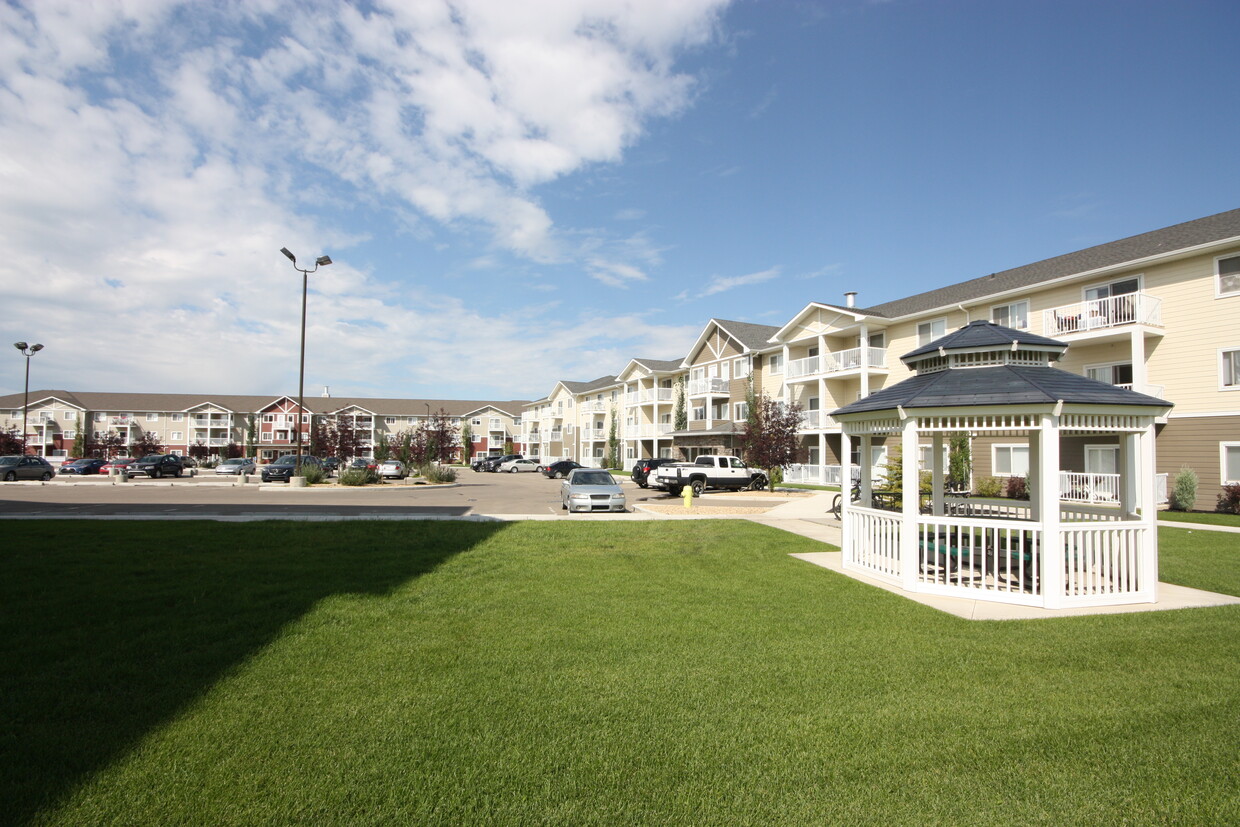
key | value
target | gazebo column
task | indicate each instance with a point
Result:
(936, 473)
(846, 539)
(910, 496)
(1035, 479)
(1149, 512)
(1047, 493)
(1129, 456)
(867, 485)
(822, 458)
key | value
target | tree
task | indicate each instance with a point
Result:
(771, 437)
(199, 450)
(959, 462)
(467, 442)
(11, 442)
(251, 435)
(79, 440)
(680, 416)
(110, 444)
(402, 446)
(441, 436)
(613, 443)
(145, 443)
(320, 438)
(232, 451)
(383, 448)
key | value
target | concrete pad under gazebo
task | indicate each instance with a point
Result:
(989, 380)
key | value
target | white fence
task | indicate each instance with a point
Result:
(1101, 488)
(875, 547)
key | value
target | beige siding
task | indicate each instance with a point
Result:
(1193, 442)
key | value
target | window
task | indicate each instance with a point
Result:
(389, 420)
(1229, 276)
(269, 417)
(699, 413)
(740, 368)
(305, 419)
(925, 457)
(723, 370)
(927, 332)
(69, 433)
(1011, 315)
(69, 416)
(1119, 373)
(266, 436)
(876, 339)
(1230, 360)
(178, 417)
(1010, 460)
(152, 417)
(477, 420)
(1229, 453)
(176, 436)
(740, 411)
(775, 363)
(99, 416)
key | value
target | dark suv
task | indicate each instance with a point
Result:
(643, 468)
(493, 463)
(157, 465)
(285, 467)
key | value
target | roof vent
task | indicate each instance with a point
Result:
(850, 299)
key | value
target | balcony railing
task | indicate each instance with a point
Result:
(632, 398)
(1101, 314)
(836, 361)
(704, 387)
(811, 420)
(556, 436)
(1148, 390)
(593, 434)
(213, 421)
(658, 394)
(1101, 488)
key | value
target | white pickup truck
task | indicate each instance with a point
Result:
(707, 471)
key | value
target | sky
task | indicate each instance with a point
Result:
(514, 194)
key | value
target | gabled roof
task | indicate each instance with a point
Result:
(650, 366)
(1001, 385)
(181, 402)
(593, 385)
(988, 335)
(752, 337)
(857, 314)
(1178, 239)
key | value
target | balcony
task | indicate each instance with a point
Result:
(708, 387)
(648, 430)
(816, 420)
(213, 421)
(596, 406)
(835, 362)
(556, 436)
(123, 421)
(1102, 316)
(658, 395)
(593, 434)
(632, 397)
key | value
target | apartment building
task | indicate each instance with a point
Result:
(268, 425)
(650, 388)
(1158, 313)
(573, 421)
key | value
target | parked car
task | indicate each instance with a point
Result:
(492, 464)
(18, 467)
(331, 465)
(591, 489)
(514, 466)
(83, 466)
(286, 466)
(560, 470)
(643, 468)
(118, 464)
(393, 469)
(363, 464)
(236, 466)
(159, 465)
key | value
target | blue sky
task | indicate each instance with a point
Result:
(519, 193)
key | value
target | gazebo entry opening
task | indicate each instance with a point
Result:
(991, 381)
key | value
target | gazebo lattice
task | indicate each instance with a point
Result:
(991, 381)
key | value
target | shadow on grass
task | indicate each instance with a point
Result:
(108, 630)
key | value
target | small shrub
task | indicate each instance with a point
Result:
(1016, 489)
(355, 476)
(314, 474)
(777, 476)
(1183, 490)
(1229, 500)
(437, 473)
(989, 487)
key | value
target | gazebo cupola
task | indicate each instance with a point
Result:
(986, 380)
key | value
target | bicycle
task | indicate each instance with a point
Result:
(837, 505)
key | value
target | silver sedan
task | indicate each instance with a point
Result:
(590, 489)
(237, 465)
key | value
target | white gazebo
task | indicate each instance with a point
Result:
(992, 381)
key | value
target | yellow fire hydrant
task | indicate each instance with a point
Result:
(688, 495)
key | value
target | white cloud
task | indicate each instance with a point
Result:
(720, 284)
(157, 154)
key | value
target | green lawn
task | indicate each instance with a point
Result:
(1203, 517)
(592, 673)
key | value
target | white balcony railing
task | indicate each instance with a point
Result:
(1148, 390)
(556, 436)
(213, 421)
(647, 430)
(1101, 488)
(632, 398)
(1100, 314)
(593, 434)
(812, 420)
(660, 394)
(703, 387)
(837, 361)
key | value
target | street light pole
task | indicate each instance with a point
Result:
(26, 351)
(321, 261)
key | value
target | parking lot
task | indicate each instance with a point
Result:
(209, 495)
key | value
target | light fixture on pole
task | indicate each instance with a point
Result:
(27, 351)
(321, 261)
